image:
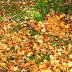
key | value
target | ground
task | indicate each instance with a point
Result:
(30, 46)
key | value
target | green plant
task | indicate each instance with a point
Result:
(37, 11)
(43, 7)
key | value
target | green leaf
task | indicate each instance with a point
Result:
(70, 53)
(37, 17)
(38, 32)
(20, 12)
(12, 48)
(39, 54)
(13, 6)
(5, 7)
(15, 16)
(31, 57)
(36, 61)
(19, 26)
(43, 57)
(53, 44)
(47, 57)
(53, 5)
(40, 4)
(0, 37)
(0, 17)
(60, 39)
(2, 0)
(7, 58)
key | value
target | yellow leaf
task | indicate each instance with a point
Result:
(24, 3)
(70, 70)
(67, 26)
(61, 16)
(70, 64)
(47, 70)
(2, 64)
(14, 68)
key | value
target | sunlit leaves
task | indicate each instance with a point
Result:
(24, 39)
(53, 43)
(43, 7)
(36, 16)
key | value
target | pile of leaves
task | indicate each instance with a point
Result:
(35, 37)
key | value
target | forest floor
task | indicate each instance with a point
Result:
(30, 46)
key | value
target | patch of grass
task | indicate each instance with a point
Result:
(37, 11)
(43, 7)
